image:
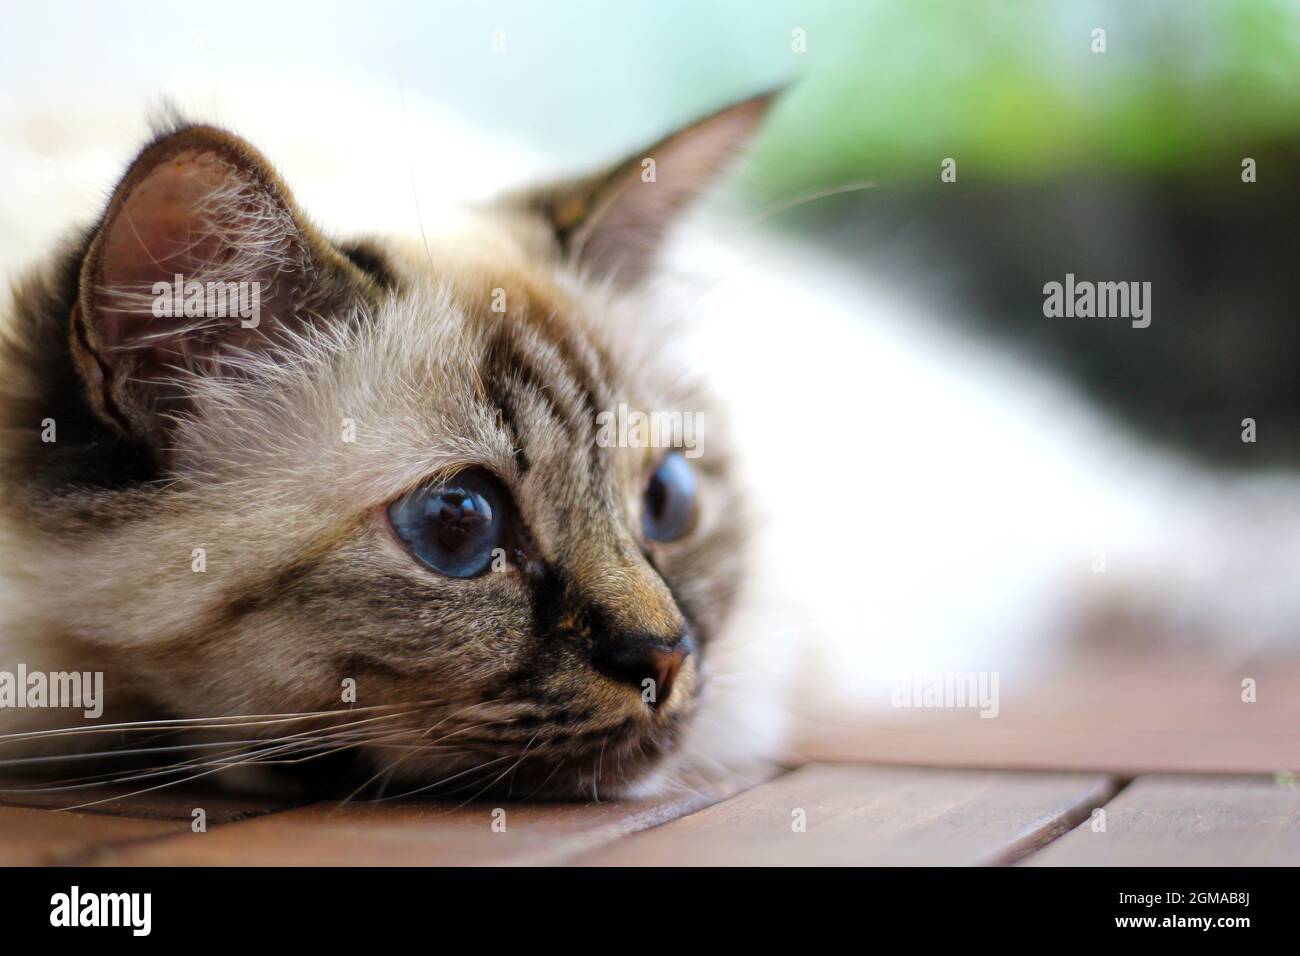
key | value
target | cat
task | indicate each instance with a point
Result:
(917, 500)
(306, 495)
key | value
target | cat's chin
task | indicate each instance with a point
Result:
(614, 767)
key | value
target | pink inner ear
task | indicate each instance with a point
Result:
(624, 230)
(197, 216)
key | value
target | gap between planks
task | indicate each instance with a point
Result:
(1183, 820)
(848, 815)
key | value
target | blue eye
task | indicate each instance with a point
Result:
(670, 499)
(454, 526)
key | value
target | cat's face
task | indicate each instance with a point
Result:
(384, 486)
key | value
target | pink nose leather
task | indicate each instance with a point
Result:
(664, 665)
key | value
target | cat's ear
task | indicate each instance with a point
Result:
(201, 260)
(612, 222)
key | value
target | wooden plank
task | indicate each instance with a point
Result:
(858, 815)
(1189, 821)
(48, 837)
(421, 834)
(1118, 714)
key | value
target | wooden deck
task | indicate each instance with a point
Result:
(1135, 763)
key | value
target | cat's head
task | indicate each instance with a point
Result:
(254, 470)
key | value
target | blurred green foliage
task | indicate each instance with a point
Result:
(1015, 89)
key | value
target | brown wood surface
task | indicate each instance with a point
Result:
(1125, 715)
(420, 834)
(34, 836)
(1189, 821)
(853, 814)
(871, 815)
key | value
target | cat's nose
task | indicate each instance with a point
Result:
(647, 663)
